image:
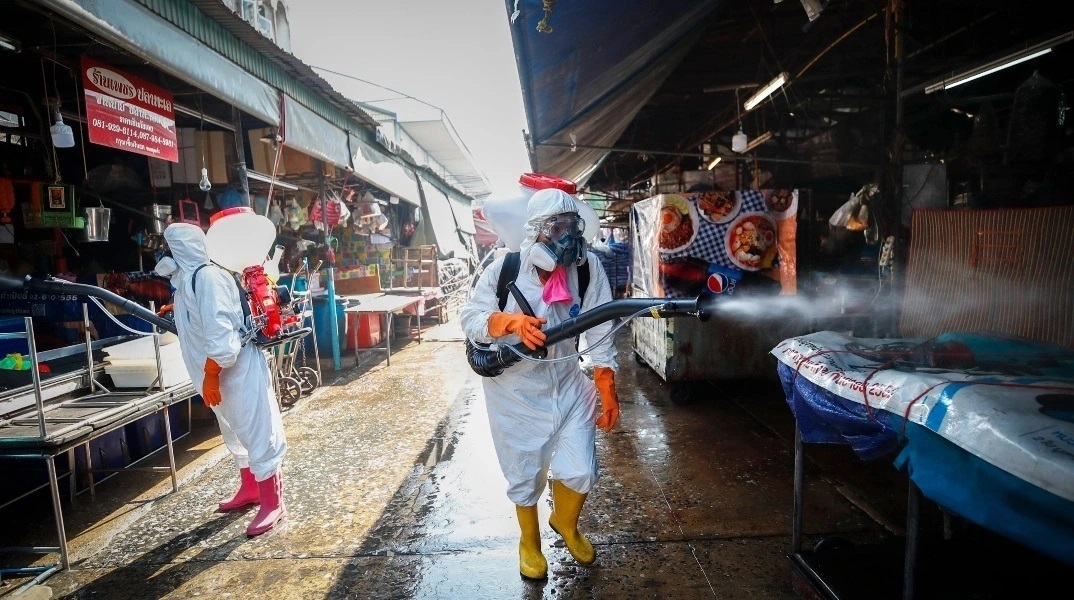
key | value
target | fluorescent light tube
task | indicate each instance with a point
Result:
(715, 161)
(9, 43)
(757, 141)
(257, 176)
(765, 92)
(988, 68)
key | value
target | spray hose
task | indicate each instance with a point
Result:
(490, 362)
(63, 287)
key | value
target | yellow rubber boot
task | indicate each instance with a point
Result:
(566, 506)
(531, 563)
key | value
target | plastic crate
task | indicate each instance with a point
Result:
(147, 435)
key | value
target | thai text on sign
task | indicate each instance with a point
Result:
(127, 113)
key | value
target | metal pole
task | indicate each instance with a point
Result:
(240, 155)
(57, 509)
(171, 451)
(156, 352)
(35, 376)
(89, 349)
(799, 479)
(913, 507)
(330, 285)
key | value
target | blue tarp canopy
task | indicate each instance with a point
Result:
(591, 74)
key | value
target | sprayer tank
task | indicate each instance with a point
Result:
(238, 238)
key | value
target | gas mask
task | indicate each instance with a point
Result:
(166, 265)
(565, 246)
(570, 249)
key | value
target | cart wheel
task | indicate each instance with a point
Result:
(290, 390)
(310, 378)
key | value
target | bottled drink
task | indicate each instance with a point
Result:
(687, 276)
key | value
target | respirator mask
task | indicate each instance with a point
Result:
(568, 247)
(166, 265)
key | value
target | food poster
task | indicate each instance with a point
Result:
(712, 240)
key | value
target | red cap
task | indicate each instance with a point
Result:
(227, 212)
(540, 181)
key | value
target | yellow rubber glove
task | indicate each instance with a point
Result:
(604, 377)
(527, 328)
(210, 390)
(165, 309)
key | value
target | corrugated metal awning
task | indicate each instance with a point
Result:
(129, 25)
(439, 140)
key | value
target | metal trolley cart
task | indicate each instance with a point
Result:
(65, 414)
(294, 371)
(292, 376)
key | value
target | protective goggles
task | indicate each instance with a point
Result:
(557, 226)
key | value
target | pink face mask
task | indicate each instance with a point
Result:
(555, 289)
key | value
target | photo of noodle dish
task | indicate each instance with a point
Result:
(718, 207)
(781, 203)
(677, 223)
(751, 239)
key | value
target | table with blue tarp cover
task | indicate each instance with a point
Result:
(983, 424)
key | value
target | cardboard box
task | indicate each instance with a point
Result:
(263, 154)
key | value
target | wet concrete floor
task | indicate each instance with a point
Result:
(393, 491)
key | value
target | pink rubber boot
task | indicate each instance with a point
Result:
(271, 510)
(246, 495)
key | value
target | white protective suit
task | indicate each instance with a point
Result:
(208, 325)
(542, 415)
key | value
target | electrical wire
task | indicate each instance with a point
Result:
(383, 87)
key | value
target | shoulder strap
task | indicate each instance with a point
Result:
(508, 273)
(243, 300)
(583, 282)
(194, 278)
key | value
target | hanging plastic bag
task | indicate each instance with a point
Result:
(842, 215)
(275, 214)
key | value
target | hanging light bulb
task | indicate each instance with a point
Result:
(62, 135)
(739, 141)
(204, 184)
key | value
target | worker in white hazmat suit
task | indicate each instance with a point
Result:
(233, 378)
(543, 416)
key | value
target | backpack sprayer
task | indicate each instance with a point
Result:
(490, 362)
(236, 240)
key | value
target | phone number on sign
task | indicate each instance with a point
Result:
(135, 134)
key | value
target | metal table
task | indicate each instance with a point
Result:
(385, 307)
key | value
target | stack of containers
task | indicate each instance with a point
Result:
(133, 364)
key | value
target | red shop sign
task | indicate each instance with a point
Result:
(127, 113)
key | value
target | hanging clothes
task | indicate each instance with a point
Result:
(333, 211)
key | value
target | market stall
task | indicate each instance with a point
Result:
(975, 402)
(738, 244)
